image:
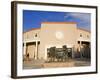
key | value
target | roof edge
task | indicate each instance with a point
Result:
(59, 22)
(32, 29)
(84, 30)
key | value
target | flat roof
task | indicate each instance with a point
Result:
(40, 28)
(56, 23)
(59, 23)
(84, 30)
(31, 29)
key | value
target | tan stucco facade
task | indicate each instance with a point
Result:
(36, 41)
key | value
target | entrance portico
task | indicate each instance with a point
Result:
(31, 48)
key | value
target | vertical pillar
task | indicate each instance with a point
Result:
(80, 49)
(45, 55)
(73, 50)
(36, 50)
(80, 45)
(25, 48)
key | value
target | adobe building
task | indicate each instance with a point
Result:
(37, 40)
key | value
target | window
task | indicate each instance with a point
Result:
(80, 35)
(27, 36)
(87, 36)
(36, 35)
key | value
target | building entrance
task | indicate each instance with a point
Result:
(59, 54)
(84, 49)
(30, 49)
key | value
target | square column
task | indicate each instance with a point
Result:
(80, 49)
(36, 48)
(24, 48)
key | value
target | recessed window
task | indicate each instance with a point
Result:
(80, 35)
(27, 36)
(35, 35)
(87, 36)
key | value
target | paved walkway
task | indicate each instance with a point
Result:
(31, 64)
(36, 64)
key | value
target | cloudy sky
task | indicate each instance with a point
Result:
(33, 19)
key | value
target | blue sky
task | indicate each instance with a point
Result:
(33, 19)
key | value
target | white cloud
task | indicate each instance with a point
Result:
(83, 19)
(82, 16)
